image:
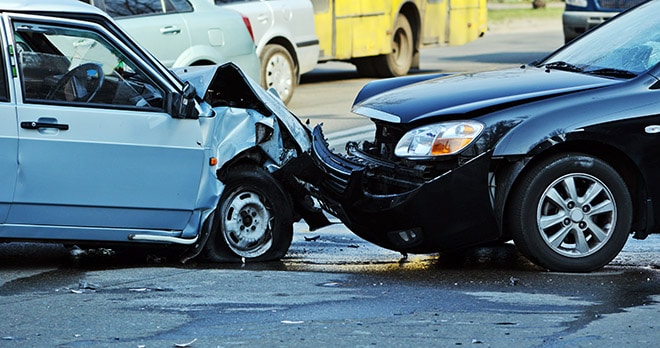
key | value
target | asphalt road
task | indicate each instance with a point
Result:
(333, 289)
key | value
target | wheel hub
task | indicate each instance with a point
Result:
(247, 227)
(576, 215)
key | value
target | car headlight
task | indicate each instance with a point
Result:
(438, 139)
(577, 3)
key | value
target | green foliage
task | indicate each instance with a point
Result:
(503, 15)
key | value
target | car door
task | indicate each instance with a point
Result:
(155, 24)
(105, 157)
(8, 137)
(259, 12)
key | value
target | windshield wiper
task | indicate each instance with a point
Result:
(561, 65)
(613, 72)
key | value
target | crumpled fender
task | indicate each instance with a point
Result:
(230, 129)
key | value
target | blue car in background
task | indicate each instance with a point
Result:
(581, 15)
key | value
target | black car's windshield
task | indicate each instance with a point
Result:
(624, 48)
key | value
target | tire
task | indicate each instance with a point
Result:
(366, 66)
(570, 213)
(253, 220)
(398, 62)
(278, 71)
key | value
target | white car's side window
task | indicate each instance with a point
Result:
(128, 8)
(4, 89)
(76, 65)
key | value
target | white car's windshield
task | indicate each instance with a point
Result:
(625, 48)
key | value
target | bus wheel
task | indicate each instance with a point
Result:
(398, 62)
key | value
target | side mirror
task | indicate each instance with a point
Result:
(184, 103)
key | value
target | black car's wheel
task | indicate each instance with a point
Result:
(253, 220)
(278, 71)
(570, 213)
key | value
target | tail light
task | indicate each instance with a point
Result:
(248, 25)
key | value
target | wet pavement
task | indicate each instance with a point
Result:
(332, 289)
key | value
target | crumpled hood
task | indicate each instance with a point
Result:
(228, 82)
(465, 93)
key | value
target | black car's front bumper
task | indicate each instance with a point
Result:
(450, 211)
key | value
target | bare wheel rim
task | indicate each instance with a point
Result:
(247, 225)
(279, 75)
(576, 215)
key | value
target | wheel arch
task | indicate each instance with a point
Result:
(252, 156)
(513, 169)
(202, 62)
(284, 42)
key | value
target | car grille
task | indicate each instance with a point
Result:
(338, 183)
(618, 4)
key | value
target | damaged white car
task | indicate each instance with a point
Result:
(103, 144)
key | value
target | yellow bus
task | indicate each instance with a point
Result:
(383, 37)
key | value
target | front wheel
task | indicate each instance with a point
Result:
(570, 213)
(253, 221)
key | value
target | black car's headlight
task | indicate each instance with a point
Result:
(438, 139)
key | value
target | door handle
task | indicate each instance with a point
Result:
(37, 125)
(170, 29)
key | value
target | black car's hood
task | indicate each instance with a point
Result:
(468, 93)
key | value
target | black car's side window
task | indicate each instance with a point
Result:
(77, 66)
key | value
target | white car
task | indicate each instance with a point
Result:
(187, 32)
(286, 40)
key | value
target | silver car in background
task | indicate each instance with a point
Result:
(286, 40)
(187, 32)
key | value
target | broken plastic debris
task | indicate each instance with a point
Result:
(76, 251)
(83, 285)
(188, 344)
(292, 321)
(139, 290)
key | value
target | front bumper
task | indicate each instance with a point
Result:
(449, 211)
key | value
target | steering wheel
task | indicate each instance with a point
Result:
(79, 84)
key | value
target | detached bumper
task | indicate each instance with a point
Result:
(450, 211)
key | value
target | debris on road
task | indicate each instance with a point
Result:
(180, 345)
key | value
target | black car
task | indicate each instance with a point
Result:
(562, 155)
